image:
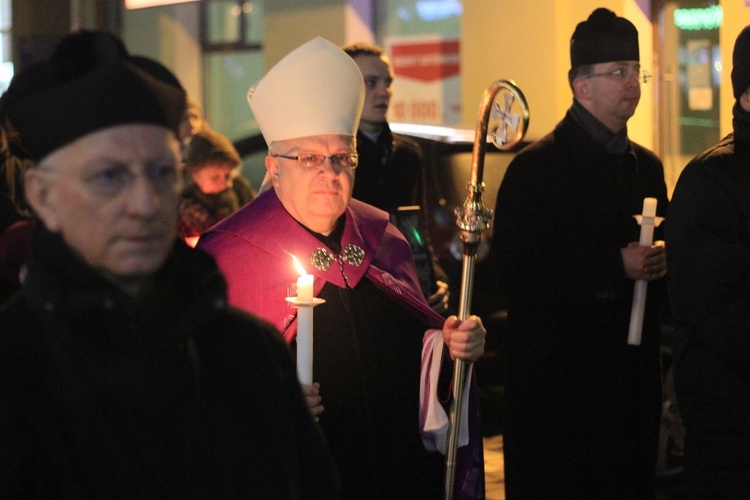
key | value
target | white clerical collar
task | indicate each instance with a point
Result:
(372, 136)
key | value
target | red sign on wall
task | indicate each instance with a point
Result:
(426, 61)
(427, 87)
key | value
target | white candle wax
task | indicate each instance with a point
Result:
(647, 226)
(639, 291)
(305, 329)
(305, 288)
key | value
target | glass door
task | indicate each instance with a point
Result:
(690, 72)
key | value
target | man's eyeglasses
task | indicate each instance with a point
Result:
(623, 74)
(308, 161)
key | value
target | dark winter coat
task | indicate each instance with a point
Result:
(708, 254)
(175, 395)
(582, 406)
(390, 174)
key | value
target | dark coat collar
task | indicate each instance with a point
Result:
(70, 294)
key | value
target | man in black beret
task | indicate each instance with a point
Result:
(123, 372)
(708, 237)
(582, 405)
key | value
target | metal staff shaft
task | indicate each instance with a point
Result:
(473, 219)
(460, 371)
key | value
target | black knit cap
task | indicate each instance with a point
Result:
(89, 83)
(741, 63)
(603, 37)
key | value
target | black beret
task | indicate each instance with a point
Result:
(741, 63)
(90, 83)
(603, 37)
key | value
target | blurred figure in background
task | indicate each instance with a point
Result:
(391, 170)
(15, 213)
(215, 186)
(13, 166)
(191, 123)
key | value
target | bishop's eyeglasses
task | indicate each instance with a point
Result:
(310, 161)
(623, 74)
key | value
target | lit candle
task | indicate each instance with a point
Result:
(304, 324)
(647, 220)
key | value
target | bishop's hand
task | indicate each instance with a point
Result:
(465, 340)
(313, 399)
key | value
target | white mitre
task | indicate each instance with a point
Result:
(316, 89)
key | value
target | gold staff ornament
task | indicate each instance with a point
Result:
(508, 121)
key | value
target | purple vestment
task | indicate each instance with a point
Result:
(254, 248)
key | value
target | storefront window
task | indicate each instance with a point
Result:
(233, 23)
(6, 49)
(689, 81)
(700, 66)
(222, 22)
(232, 61)
(422, 38)
(419, 17)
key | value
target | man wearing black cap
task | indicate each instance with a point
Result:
(582, 406)
(123, 372)
(708, 236)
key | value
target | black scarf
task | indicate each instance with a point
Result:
(615, 143)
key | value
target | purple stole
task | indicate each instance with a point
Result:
(254, 248)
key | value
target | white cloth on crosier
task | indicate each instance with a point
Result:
(433, 420)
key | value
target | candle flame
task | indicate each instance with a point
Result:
(298, 266)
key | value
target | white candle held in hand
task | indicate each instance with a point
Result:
(647, 220)
(304, 324)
